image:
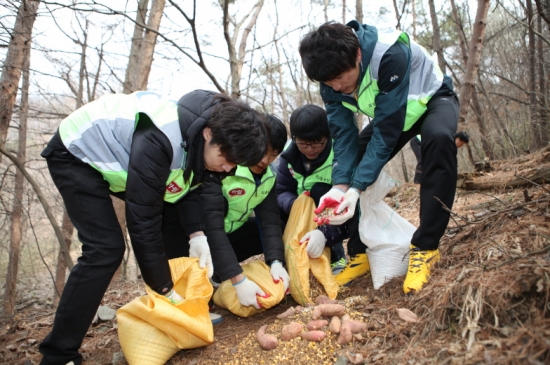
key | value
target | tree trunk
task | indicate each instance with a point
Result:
(16, 228)
(531, 47)
(343, 11)
(148, 45)
(414, 18)
(359, 11)
(543, 100)
(137, 39)
(13, 64)
(325, 9)
(474, 56)
(539, 175)
(437, 37)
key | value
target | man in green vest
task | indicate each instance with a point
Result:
(306, 167)
(150, 151)
(234, 235)
(394, 81)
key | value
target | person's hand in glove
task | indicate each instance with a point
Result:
(316, 243)
(247, 293)
(346, 208)
(278, 272)
(174, 297)
(329, 200)
(198, 247)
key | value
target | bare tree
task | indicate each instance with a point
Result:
(359, 11)
(474, 56)
(137, 40)
(16, 227)
(436, 36)
(13, 64)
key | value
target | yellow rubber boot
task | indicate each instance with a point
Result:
(357, 265)
(420, 264)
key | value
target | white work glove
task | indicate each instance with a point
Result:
(174, 297)
(247, 292)
(329, 199)
(198, 247)
(316, 243)
(278, 272)
(349, 202)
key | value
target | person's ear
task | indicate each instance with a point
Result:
(358, 60)
(207, 134)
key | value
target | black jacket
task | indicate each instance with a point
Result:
(148, 170)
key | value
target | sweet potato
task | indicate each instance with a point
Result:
(335, 325)
(288, 313)
(317, 324)
(328, 310)
(345, 331)
(313, 335)
(291, 330)
(323, 299)
(266, 341)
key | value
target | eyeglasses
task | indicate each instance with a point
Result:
(310, 144)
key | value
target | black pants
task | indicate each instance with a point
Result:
(437, 128)
(87, 199)
(416, 148)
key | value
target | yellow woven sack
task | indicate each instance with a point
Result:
(151, 330)
(298, 262)
(258, 272)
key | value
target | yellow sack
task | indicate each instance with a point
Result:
(258, 272)
(298, 262)
(151, 330)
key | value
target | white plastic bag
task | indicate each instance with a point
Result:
(386, 234)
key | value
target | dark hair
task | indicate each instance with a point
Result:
(463, 136)
(309, 123)
(329, 51)
(240, 131)
(277, 133)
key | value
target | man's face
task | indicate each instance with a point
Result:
(311, 149)
(459, 143)
(213, 158)
(346, 82)
(268, 158)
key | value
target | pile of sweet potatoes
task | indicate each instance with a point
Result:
(340, 324)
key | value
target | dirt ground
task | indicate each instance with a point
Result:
(487, 301)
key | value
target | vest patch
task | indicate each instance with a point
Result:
(173, 188)
(237, 192)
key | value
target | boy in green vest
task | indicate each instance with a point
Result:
(306, 167)
(394, 81)
(234, 235)
(152, 152)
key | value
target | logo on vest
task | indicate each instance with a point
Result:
(173, 188)
(237, 192)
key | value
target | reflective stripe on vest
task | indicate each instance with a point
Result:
(100, 133)
(424, 80)
(322, 174)
(243, 195)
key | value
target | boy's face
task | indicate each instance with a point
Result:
(347, 82)
(268, 158)
(459, 143)
(311, 149)
(213, 158)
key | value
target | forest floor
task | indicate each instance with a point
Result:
(487, 302)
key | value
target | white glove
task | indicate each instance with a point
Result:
(199, 248)
(278, 272)
(327, 200)
(174, 297)
(247, 292)
(349, 202)
(316, 243)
